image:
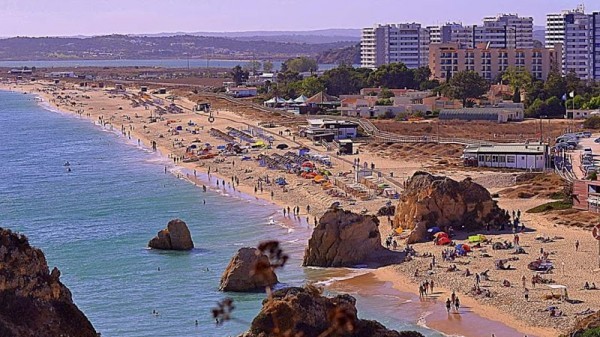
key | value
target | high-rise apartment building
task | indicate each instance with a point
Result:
(383, 44)
(579, 34)
(501, 31)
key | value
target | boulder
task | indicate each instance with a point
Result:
(306, 312)
(590, 322)
(175, 237)
(335, 240)
(240, 273)
(436, 201)
(33, 300)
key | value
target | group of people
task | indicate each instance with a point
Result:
(425, 288)
(390, 241)
(452, 303)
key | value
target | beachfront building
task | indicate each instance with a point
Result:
(528, 156)
(240, 92)
(587, 195)
(579, 35)
(60, 74)
(329, 130)
(446, 59)
(499, 113)
(384, 44)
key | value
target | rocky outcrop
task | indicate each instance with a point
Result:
(430, 201)
(591, 322)
(346, 239)
(33, 301)
(175, 237)
(305, 312)
(249, 270)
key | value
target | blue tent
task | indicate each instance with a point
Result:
(434, 230)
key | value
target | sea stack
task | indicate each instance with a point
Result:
(437, 201)
(242, 274)
(33, 301)
(175, 237)
(346, 239)
(306, 312)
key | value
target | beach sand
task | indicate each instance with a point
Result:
(507, 306)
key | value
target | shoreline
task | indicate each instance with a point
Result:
(383, 275)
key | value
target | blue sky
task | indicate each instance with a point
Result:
(95, 17)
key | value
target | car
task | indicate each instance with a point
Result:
(587, 150)
(282, 146)
(597, 140)
(587, 134)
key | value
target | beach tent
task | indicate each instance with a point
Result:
(443, 241)
(561, 288)
(440, 235)
(434, 230)
(301, 99)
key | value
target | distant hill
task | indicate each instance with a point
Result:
(143, 47)
(539, 33)
(348, 55)
(308, 36)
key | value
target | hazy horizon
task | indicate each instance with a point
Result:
(103, 17)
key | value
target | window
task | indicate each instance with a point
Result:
(510, 159)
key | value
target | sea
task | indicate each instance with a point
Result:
(94, 224)
(158, 63)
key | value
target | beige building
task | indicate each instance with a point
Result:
(449, 58)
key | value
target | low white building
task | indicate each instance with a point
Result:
(241, 91)
(530, 156)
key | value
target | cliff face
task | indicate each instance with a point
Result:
(591, 322)
(346, 239)
(33, 301)
(430, 201)
(305, 312)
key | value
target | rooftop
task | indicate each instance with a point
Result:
(530, 148)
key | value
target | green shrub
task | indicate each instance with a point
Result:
(592, 333)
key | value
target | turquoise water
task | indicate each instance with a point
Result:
(94, 224)
(165, 63)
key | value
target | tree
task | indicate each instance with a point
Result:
(420, 75)
(239, 75)
(311, 86)
(516, 78)
(252, 66)
(555, 85)
(267, 66)
(466, 85)
(345, 80)
(300, 65)
(535, 109)
(385, 93)
(393, 76)
(554, 107)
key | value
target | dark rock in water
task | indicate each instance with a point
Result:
(306, 312)
(33, 301)
(435, 201)
(175, 237)
(242, 274)
(346, 239)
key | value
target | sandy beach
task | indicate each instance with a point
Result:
(507, 305)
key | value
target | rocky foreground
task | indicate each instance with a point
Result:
(306, 312)
(33, 301)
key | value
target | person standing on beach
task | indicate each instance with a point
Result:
(526, 293)
(477, 278)
(431, 286)
(448, 305)
(577, 245)
(456, 304)
(524, 280)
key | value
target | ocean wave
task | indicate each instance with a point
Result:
(353, 274)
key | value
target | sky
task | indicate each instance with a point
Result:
(99, 17)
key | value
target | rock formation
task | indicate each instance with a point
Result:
(590, 322)
(175, 237)
(242, 275)
(305, 312)
(346, 239)
(430, 201)
(33, 301)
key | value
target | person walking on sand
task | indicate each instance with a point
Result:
(524, 281)
(448, 305)
(453, 296)
(477, 278)
(456, 304)
(577, 245)
(526, 293)
(431, 286)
